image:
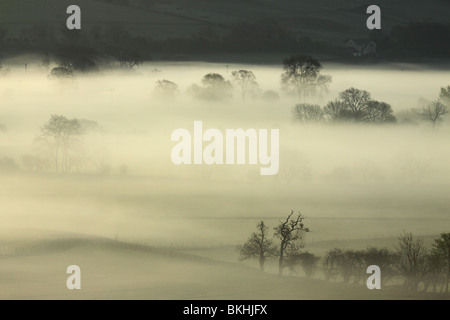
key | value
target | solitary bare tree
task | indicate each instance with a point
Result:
(61, 135)
(258, 246)
(290, 233)
(433, 112)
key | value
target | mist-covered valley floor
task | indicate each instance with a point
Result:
(141, 227)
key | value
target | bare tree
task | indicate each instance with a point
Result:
(441, 248)
(433, 112)
(246, 82)
(290, 233)
(357, 106)
(61, 135)
(302, 76)
(356, 100)
(309, 113)
(258, 246)
(412, 260)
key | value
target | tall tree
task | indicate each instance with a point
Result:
(302, 76)
(259, 246)
(61, 134)
(441, 247)
(290, 233)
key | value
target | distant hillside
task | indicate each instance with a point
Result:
(325, 20)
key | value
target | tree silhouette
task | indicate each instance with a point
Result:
(61, 135)
(290, 233)
(259, 246)
(356, 105)
(215, 87)
(302, 76)
(308, 262)
(433, 112)
(441, 248)
(246, 82)
(330, 263)
(412, 260)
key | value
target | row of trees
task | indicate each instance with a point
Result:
(419, 267)
(301, 77)
(353, 105)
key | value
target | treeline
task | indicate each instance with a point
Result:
(415, 40)
(410, 264)
(86, 47)
(302, 78)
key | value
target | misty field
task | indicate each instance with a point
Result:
(141, 227)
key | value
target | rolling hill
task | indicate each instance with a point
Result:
(118, 270)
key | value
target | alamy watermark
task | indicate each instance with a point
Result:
(235, 146)
(74, 280)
